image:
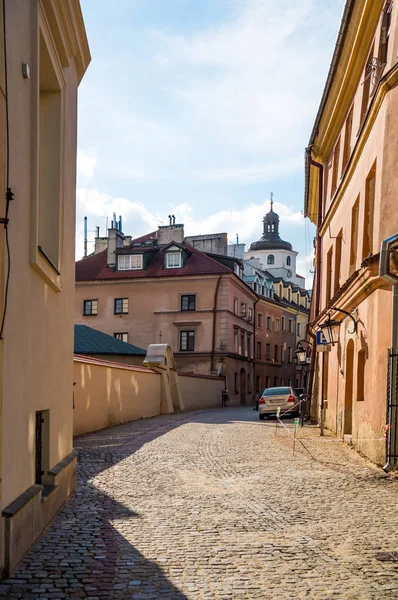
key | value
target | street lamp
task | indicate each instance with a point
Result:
(331, 327)
(301, 355)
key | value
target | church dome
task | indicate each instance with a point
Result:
(271, 240)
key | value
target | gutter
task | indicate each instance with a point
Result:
(213, 343)
(344, 26)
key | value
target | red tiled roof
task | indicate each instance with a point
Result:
(145, 238)
(94, 267)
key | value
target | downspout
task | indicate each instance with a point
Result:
(318, 267)
(254, 349)
(213, 344)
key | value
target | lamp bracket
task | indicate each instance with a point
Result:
(348, 315)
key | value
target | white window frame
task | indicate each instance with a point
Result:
(132, 262)
(170, 256)
(123, 337)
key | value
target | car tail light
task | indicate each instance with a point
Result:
(291, 399)
(261, 401)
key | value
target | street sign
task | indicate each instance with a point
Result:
(320, 339)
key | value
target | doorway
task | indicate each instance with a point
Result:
(242, 386)
(349, 376)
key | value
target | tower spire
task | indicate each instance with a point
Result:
(272, 199)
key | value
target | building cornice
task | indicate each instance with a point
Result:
(385, 84)
(356, 289)
(67, 27)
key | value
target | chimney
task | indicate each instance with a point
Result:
(170, 233)
(101, 243)
(115, 240)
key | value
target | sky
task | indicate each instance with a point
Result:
(201, 108)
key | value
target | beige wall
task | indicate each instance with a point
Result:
(200, 392)
(155, 316)
(107, 394)
(359, 289)
(37, 366)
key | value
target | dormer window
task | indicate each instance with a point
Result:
(129, 262)
(173, 260)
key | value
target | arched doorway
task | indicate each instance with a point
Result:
(242, 386)
(349, 376)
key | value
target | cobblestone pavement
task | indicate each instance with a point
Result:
(213, 505)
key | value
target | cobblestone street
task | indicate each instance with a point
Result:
(213, 505)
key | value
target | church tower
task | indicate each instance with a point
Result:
(276, 255)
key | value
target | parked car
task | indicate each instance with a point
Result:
(284, 398)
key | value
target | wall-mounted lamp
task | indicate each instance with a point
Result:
(302, 356)
(331, 327)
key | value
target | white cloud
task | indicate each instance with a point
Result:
(139, 220)
(86, 162)
(232, 102)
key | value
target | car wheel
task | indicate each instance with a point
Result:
(261, 417)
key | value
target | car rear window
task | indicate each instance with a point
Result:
(276, 391)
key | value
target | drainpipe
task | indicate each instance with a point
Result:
(318, 267)
(392, 399)
(254, 349)
(213, 345)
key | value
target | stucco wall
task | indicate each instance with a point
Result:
(107, 394)
(38, 336)
(200, 391)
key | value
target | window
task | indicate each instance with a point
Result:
(243, 309)
(354, 236)
(258, 382)
(267, 381)
(90, 307)
(270, 259)
(367, 247)
(298, 328)
(173, 260)
(329, 275)
(361, 376)
(188, 302)
(260, 320)
(259, 350)
(276, 353)
(129, 262)
(336, 157)
(269, 322)
(275, 381)
(276, 324)
(290, 325)
(289, 354)
(283, 323)
(123, 337)
(249, 345)
(385, 32)
(236, 341)
(289, 294)
(250, 314)
(236, 304)
(187, 341)
(288, 261)
(42, 449)
(236, 383)
(49, 200)
(368, 74)
(347, 138)
(337, 262)
(121, 306)
(242, 343)
(267, 351)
